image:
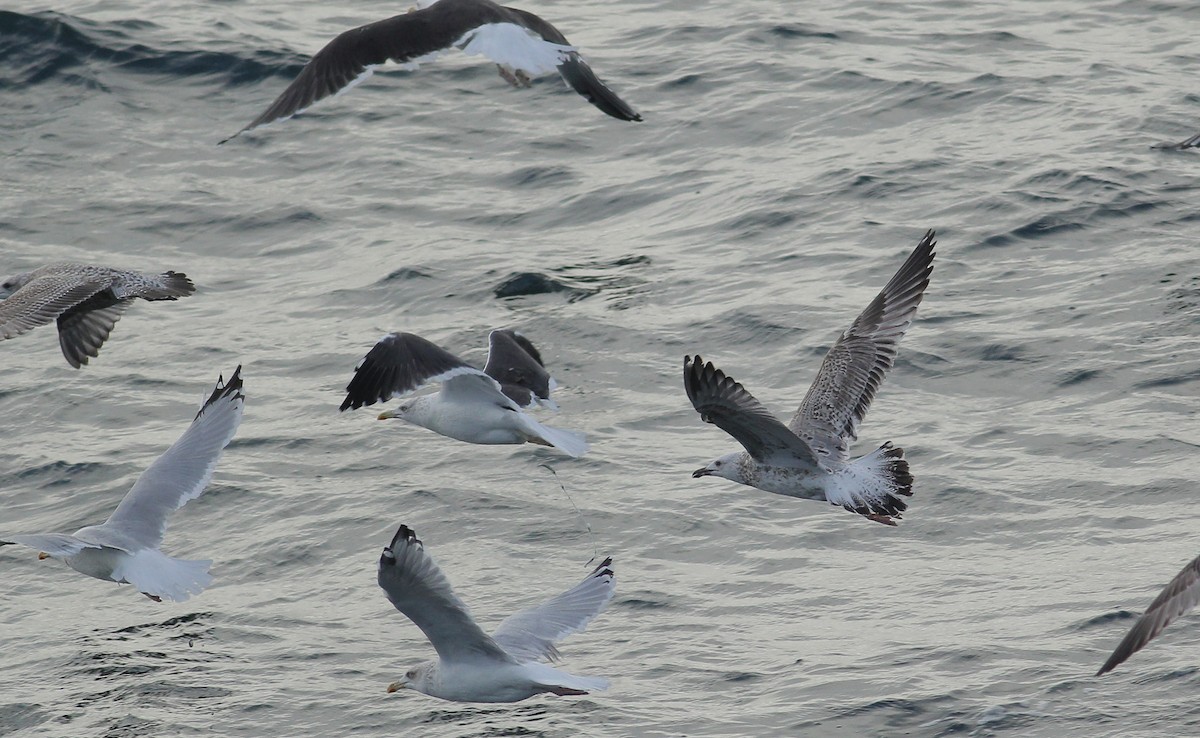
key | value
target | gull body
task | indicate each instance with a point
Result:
(125, 548)
(472, 666)
(474, 406)
(809, 457)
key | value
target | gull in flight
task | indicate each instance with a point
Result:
(472, 666)
(1176, 599)
(475, 406)
(520, 43)
(810, 456)
(86, 300)
(124, 548)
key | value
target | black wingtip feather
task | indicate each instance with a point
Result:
(232, 388)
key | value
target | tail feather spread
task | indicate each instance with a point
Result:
(155, 573)
(874, 485)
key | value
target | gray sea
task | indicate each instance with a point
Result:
(792, 154)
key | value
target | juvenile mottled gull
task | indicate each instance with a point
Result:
(472, 666)
(124, 548)
(473, 406)
(86, 300)
(810, 457)
(1176, 599)
(522, 45)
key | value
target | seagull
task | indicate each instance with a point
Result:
(1176, 599)
(520, 43)
(810, 456)
(1187, 143)
(474, 406)
(124, 548)
(86, 300)
(472, 666)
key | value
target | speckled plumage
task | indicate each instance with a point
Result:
(810, 457)
(86, 300)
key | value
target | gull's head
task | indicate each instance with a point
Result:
(401, 411)
(14, 283)
(415, 678)
(726, 466)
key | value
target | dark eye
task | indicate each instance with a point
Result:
(717, 464)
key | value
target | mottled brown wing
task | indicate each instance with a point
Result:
(852, 371)
(41, 301)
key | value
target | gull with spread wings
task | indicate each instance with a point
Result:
(520, 43)
(486, 407)
(507, 666)
(86, 300)
(124, 548)
(810, 457)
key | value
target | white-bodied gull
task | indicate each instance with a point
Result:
(474, 406)
(1176, 599)
(520, 43)
(472, 666)
(810, 457)
(124, 548)
(86, 300)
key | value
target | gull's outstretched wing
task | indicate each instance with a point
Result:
(59, 545)
(42, 300)
(516, 364)
(183, 471)
(852, 371)
(530, 635)
(416, 587)
(83, 328)
(576, 73)
(1176, 599)
(397, 365)
(475, 26)
(726, 404)
(1187, 143)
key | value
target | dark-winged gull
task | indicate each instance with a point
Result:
(810, 457)
(474, 406)
(472, 666)
(1176, 599)
(520, 43)
(86, 300)
(1187, 143)
(125, 548)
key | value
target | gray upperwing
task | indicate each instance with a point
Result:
(530, 635)
(417, 588)
(852, 371)
(183, 471)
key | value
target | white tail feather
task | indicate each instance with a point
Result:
(155, 573)
(570, 442)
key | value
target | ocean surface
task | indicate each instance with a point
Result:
(792, 154)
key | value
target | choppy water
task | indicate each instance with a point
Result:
(790, 158)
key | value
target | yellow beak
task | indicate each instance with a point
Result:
(386, 415)
(395, 687)
(43, 556)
